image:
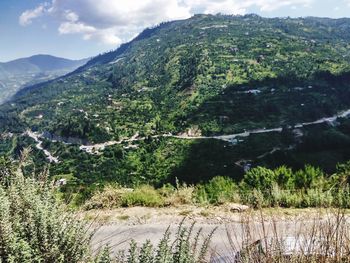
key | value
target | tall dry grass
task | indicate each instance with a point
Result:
(322, 238)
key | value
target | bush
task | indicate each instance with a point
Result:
(259, 178)
(143, 196)
(310, 177)
(260, 187)
(110, 197)
(290, 199)
(181, 195)
(255, 198)
(219, 190)
(341, 197)
(34, 227)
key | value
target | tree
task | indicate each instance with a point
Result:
(259, 178)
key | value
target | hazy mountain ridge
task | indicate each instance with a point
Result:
(22, 72)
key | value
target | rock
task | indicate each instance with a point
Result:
(237, 208)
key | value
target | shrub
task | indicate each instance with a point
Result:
(284, 177)
(319, 198)
(181, 195)
(218, 190)
(341, 197)
(143, 196)
(290, 199)
(34, 227)
(310, 177)
(111, 196)
(259, 178)
(256, 199)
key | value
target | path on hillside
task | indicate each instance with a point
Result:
(36, 137)
(229, 137)
(97, 148)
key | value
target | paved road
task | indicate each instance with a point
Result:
(230, 137)
(36, 138)
(227, 238)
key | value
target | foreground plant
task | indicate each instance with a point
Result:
(34, 227)
(187, 246)
(322, 239)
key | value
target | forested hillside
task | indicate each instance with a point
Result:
(160, 100)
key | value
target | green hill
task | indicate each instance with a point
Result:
(206, 76)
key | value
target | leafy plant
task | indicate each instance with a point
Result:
(34, 227)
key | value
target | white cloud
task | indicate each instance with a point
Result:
(71, 16)
(26, 17)
(114, 21)
(75, 27)
(241, 6)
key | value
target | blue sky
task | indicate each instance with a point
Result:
(83, 28)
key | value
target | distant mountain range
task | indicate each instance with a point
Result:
(22, 72)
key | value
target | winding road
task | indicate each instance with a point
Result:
(228, 138)
(36, 137)
(97, 148)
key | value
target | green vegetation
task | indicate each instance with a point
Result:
(199, 72)
(35, 227)
(23, 72)
(209, 75)
(188, 247)
(260, 187)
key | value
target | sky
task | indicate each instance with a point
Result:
(78, 29)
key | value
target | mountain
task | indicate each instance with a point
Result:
(18, 73)
(193, 99)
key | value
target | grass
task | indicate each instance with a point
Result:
(185, 213)
(260, 187)
(143, 196)
(123, 217)
(324, 239)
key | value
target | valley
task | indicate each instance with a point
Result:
(193, 99)
(222, 138)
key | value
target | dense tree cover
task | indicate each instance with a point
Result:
(199, 72)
